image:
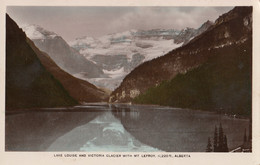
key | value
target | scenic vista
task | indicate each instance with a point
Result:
(128, 79)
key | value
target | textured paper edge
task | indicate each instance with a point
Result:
(9, 158)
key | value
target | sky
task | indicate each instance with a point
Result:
(73, 22)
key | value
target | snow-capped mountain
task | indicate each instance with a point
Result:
(35, 32)
(63, 55)
(187, 34)
(118, 54)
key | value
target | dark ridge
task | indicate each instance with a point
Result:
(28, 83)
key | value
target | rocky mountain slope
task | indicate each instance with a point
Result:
(28, 83)
(118, 54)
(229, 32)
(222, 84)
(187, 34)
(79, 89)
(61, 53)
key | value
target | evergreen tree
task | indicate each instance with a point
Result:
(220, 139)
(209, 149)
(225, 149)
(215, 145)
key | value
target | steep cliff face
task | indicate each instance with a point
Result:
(229, 30)
(28, 83)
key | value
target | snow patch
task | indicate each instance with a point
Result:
(32, 33)
(115, 73)
(36, 32)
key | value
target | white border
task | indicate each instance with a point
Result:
(9, 158)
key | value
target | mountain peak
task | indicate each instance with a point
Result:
(34, 31)
(234, 13)
(206, 24)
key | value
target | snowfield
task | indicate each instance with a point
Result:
(131, 47)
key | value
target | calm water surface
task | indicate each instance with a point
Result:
(120, 127)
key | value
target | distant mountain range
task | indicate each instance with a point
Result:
(34, 80)
(212, 71)
(118, 54)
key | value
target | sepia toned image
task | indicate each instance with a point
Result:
(128, 79)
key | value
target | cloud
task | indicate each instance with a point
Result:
(165, 17)
(72, 22)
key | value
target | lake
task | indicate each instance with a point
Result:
(118, 128)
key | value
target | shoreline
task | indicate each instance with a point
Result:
(77, 108)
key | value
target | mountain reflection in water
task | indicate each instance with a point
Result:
(118, 128)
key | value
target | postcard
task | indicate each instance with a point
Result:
(131, 82)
